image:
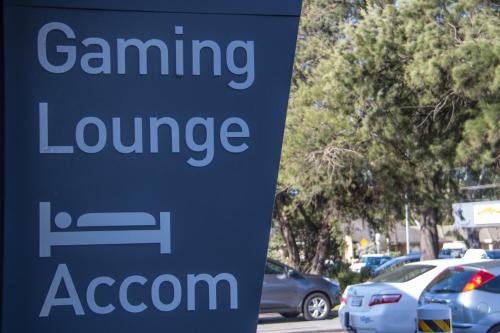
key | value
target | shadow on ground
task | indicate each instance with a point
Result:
(276, 319)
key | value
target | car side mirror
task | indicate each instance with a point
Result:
(292, 273)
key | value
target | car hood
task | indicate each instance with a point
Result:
(320, 279)
(312, 276)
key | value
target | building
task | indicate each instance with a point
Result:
(360, 238)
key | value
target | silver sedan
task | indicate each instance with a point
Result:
(473, 294)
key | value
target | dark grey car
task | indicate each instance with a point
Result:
(291, 293)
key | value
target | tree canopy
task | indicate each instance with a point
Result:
(393, 102)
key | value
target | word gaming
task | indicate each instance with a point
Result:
(98, 56)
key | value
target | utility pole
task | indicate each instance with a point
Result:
(407, 222)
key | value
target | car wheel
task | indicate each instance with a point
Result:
(290, 314)
(316, 307)
(495, 329)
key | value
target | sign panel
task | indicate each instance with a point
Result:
(477, 214)
(142, 144)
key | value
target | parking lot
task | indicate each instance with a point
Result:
(275, 323)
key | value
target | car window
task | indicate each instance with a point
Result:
(373, 261)
(403, 274)
(272, 268)
(492, 287)
(451, 281)
(384, 260)
(396, 263)
(388, 265)
(493, 254)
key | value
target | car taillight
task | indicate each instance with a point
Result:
(344, 298)
(384, 299)
(478, 280)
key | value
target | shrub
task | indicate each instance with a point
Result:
(347, 278)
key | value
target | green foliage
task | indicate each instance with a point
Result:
(396, 99)
(276, 247)
(348, 278)
(320, 28)
(481, 143)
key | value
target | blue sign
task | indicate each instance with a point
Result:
(141, 149)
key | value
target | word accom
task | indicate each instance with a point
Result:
(152, 293)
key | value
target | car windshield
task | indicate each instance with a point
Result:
(403, 274)
(371, 261)
(274, 268)
(493, 254)
(393, 263)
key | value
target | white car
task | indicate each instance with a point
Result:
(388, 303)
(475, 254)
(369, 260)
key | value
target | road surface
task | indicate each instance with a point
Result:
(274, 323)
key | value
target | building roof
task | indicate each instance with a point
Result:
(360, 229)
(489, 235)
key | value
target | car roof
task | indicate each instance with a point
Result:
(396, 261)
(274, 261)
(375, 255)
(407, 257)
(450, 262)
(489, 265)
(475, 250)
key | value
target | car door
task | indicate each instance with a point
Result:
(280, 289)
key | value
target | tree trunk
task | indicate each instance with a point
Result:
(311, 227)
(429, 241)
(324, 238)
(287, 233)
(311, 235)
(473, 241)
